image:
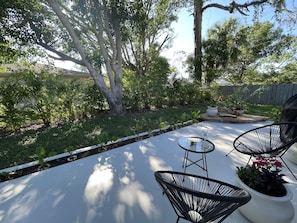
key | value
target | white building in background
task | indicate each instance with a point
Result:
(7, 69)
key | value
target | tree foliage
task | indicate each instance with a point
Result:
(243, 8)
(148, 91)
(27, 98)
(93, 34)
(247, 54)
(147, 32)
(7, 54)
(85, 32)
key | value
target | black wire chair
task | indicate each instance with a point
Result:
(270, 140)
(200, 199)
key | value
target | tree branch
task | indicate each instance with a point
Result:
(100, 37)
(79, 47)
(61, 55)
(235, 6)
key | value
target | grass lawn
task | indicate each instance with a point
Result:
(26, 146)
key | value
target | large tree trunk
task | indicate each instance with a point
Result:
(114, 95)
(116, 106)
(198, 40)
(111, 53)
(233, 6)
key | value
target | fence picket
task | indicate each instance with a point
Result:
(274, 94)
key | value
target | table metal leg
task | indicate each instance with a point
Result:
(185, 158)
(203, 166)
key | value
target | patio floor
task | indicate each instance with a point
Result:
(118, 185)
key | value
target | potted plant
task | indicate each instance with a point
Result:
(271, 198)
(238, 109)
(233, 105)
(212, 109)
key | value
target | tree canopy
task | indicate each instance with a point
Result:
(103, 36)
(242, 7)
(147, 32)
(248, 54)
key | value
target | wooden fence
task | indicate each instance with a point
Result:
(262, 94)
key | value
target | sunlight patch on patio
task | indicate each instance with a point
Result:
(98, 185)
(118, 185)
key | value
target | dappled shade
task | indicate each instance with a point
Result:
(200, 199)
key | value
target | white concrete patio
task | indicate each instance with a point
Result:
(118, 186)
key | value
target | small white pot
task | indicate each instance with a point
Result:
(212, 111)
(264, 208)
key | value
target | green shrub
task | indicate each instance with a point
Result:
(27, 98)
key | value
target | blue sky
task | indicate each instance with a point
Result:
(183, 43)
(184, 33)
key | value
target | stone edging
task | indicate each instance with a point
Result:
(32, 167)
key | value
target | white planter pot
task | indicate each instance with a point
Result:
(263, 208)
(212, 111)
(291, 154)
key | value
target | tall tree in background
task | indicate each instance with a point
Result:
(247, 54)
(147, 32)
(86, 32)
(97, 25)
(94, 34)
(243, 8)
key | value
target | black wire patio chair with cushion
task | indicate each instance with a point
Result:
(269, 140)
(200, 199)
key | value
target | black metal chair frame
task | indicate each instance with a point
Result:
(200, 199)
(272, 140)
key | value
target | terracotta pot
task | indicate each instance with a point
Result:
(212, 111)
(238, 112)
(264, 208)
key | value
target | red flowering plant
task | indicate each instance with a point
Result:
(264, 176)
